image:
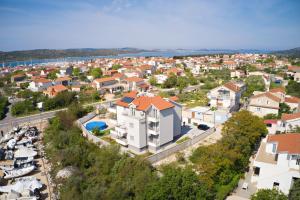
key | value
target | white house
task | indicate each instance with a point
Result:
(145, 121)
(264, 103)
(39, 84)
(277, 162)
(226, 96)
(290, 121)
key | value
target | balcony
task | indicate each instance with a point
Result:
(122, 141)
(153, 131)
(152, 119)
(120, 131)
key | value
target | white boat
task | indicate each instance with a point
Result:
(8, 174)
(24, 152)
(11, 144)
(20, 161)
(25, 183)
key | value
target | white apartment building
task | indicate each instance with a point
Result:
(226, 96)
(277, 163)
(146, 122)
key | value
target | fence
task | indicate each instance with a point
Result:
(179, 147)
(86, 133)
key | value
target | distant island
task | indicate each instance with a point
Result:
(295, 52)
(26, 55)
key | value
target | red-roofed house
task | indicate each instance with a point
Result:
(52, 91)
(133, 83)
(277, 162)
(293, 102)
(146, 122)
(290, 121)
(109, 84)
(226, 96)
(39, 84)
(264, 103)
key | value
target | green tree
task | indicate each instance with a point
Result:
(177, 183)
(152, 80)
(293, 88)
(3, 106)
(268, 194)
(76, 72)
(284, 108)
(182, 83)
(52, 75)
(254, 83)
(22, 107)
(271, 116)
(116, 67)
(96, 72)
(170, 82)
(295, 191)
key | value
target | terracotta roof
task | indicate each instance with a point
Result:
(292, 100)
(101, 80)
(42, 80)
(144, 102)
(269, 95)
(132, 94)
(134, 79)
(270, 121)
(279, 89)
(174, 98)
(118, 75)
(65, 78)
(57, 88)
(289, 142)
(232, 86)
(294, 68)
(286, 117)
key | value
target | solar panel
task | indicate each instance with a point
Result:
(127, 99)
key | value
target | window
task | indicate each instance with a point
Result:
(131, 137)
(288, 157)
(298, 161)
(275, 185)
(256, 171)
(269, 125)
(274, 148)
(131, 125)
(258, 109)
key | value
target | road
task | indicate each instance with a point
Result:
(10, 121)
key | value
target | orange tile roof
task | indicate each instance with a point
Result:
(286, 117)
(174, 98)
(144, 102)
(279, 89)
(57, 88)
(65, 78)
(269, 95)
(42, 80)
(118, 75)
(101, 80)
(289, 142)
(134, 79)
(292, 100)
(232, 86)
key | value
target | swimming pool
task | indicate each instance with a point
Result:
(96, 124)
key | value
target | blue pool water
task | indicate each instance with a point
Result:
(96, 124)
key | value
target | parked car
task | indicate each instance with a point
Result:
(203, 127)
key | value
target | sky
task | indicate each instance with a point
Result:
(149, 24)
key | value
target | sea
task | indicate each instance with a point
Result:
(157, 53)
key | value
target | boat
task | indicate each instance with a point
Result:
(7, 137)
(11, 144)
(24, 143)
(19, 161)
(24, 152)
(18, 172)
(25, 183)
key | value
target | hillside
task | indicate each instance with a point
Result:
(61, 53)
(295, 52)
